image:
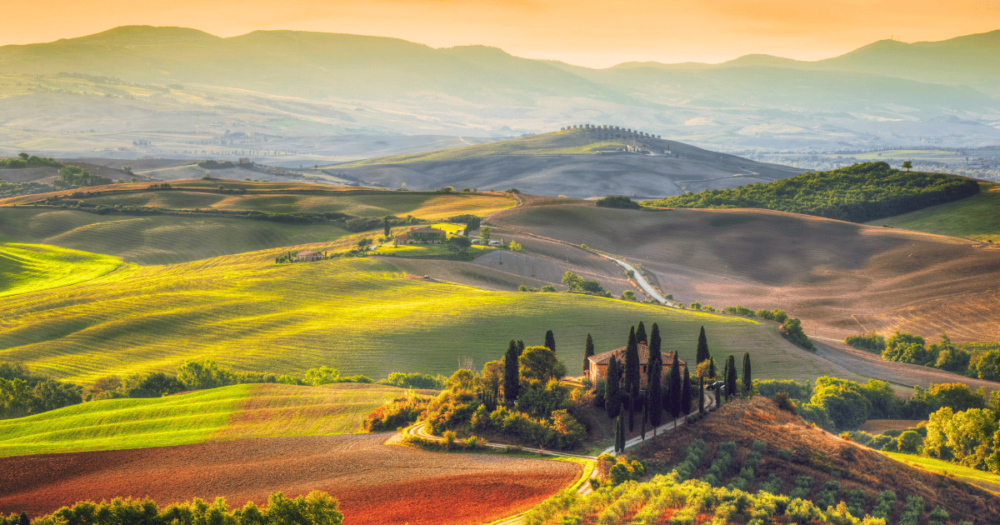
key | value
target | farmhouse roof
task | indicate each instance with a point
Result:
(307, 252)
(604, 358)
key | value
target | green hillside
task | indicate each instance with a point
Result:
(233, 412)
(857, 193)
(360, 316)
(977, 217)
(570, 142)
(30, 268)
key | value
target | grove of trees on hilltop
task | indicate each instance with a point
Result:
(858, 193)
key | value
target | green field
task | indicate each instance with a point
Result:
(233, 412)
(365, 203)
(986, 480)
(977, 217)
(361, 316)
(158, 239)
(31, 268)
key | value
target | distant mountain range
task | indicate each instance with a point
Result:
(176, 87)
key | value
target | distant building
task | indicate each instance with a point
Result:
(597, 365)
(309, 256)
(245, 161)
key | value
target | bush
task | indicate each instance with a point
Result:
(912, 511)
(721, 465)
(792, 329)
(785, 403)
(827, 497)
(692, 460)
(618, 201)
(399, 412)
(870, 343)
(801, 489)
(772, 485)
(414, 380)
(884, 505)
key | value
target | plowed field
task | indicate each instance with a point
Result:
(374, 483)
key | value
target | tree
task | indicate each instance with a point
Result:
(612, 390)
(675, 388)
(747, 382)
(628, 295)
(907, 165)
(640, 333)
(988, 366)
(385, 226)
(632, 377)
(731, 379)
(472, 225)
(655, 395)
(23, 519)
(540, 363)
(701, 395)
(322, 376)
(520, 347)
(197, 375)
(654, 348)
(702, 347)
(619, 434)
(459, 244)
(491, 377)
(485, 234)
(909, 442)
(686, 393)
(515, 247)
(571, 280)
(550, 341)
(711, 367)
(511, 374)
(588, 351)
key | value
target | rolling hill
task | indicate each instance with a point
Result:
(220, 414)
(575, 163)
(173, 92)
(839, 278)
(977, 217)
(360, 316)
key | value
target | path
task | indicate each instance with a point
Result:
(641, 280)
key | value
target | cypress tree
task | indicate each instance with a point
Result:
(612, 389)
(675, 387)
(747, 381)
(23, 520)
(640, 334)
(618, 433)
(731, 383)
(511, 374)
(520, 347)
(588, 351)
(386, 225)
(645, 415)
(655, 397)
(654, 351)
(702, 347)
(686, 393)
(550, 341)
(632, 377)
(701, 395)
(711, 367)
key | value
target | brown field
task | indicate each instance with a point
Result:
(818, 454)
(839, 278)
(375, 483)
(878, 426)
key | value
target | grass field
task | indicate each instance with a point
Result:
(233, 412)
(31, 268)
(358, 315)
(155, 239)
(986, 480)
(977, 217)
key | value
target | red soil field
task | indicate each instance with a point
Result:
(375, 483)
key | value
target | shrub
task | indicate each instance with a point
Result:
(785, 454)
(870, 342)
(618, 201)
(792, 329)
(856, 502)
(785, 403)
(397, 413)
(721, 465)
(692, 460)
(801, 489)
(884, 505)
(772, 485)
(912, 511)
(828, 494)
(414, 380)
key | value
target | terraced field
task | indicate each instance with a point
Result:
(358, 315)
(31, 268)
(977, 217)
(220, 414)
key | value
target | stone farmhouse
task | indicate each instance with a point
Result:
(598, 364)
(421, 236)
(309, 256)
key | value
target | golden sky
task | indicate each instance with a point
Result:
(584, 32)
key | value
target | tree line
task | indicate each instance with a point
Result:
(23, 393)
(316, 508)
(904, 347)
(23, 160)
(858, 193)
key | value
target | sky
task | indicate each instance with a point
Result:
(583, 32)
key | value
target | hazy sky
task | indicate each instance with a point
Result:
(585, 32)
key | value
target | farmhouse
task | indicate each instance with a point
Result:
(597, 365)
(309, 256)
(421, 236)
